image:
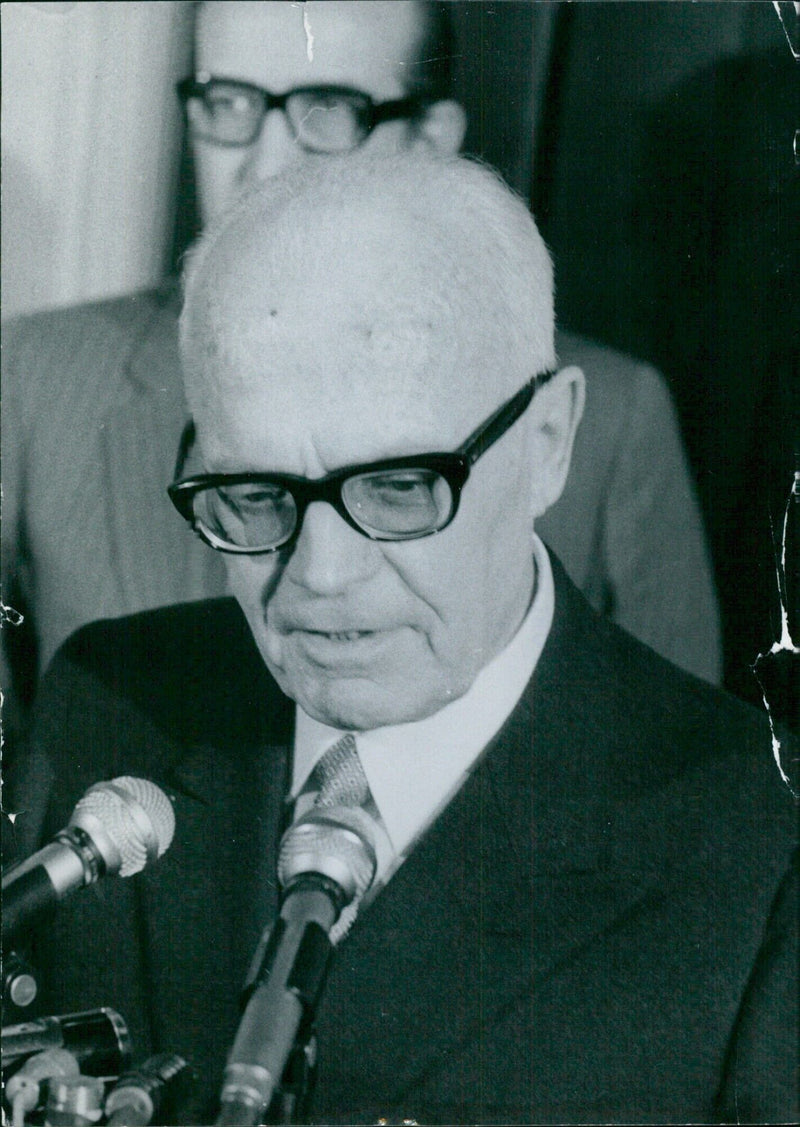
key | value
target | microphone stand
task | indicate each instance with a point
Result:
(327, 861)
(274, 1043)
(299, 1079)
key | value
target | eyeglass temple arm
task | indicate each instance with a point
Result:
(188, 435)
(397, 107)
(503, 418)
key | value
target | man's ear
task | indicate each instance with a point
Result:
(556, 411)
(443, 125)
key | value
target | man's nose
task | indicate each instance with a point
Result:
(329, 556)
(273, 150)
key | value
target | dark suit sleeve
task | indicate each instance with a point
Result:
(82, 731)
(654, 544)
(762, 1076)
(96, 718)
(76, 725)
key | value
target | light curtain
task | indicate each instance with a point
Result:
(90, 147)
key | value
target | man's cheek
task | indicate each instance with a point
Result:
(273, 649)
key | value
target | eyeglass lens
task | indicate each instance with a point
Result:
(327, 121)
(398, 502)
(392, 505)
(249, 516)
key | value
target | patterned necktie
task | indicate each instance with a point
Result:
(338, 777)
(339, 780)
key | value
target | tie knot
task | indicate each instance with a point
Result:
(339, 777)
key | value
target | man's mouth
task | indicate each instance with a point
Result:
(335, 635)
(337, 645)
(341, 635)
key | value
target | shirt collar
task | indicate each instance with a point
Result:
(414, 769)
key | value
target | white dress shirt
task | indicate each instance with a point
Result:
(415, 769)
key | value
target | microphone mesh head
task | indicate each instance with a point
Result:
(336, 841)
(136, 815)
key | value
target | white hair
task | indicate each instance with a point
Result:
(473, 239)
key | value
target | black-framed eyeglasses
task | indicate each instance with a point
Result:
(323, 119)
(395, 499)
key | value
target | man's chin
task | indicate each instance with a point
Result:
(357, 705)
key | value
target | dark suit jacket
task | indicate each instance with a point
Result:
(599, 928)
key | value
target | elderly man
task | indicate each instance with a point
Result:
(581, 911)
(93, 399)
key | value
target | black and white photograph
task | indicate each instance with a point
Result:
(471, 794)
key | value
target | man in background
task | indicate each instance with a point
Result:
(93, 400)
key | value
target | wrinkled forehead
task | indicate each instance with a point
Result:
(354, 316)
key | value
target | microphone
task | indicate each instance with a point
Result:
(327, 861)
(97, 1039)
(19, 981)
(144, 1093)
(117, 827)
(74, 1101)
(23, 1089)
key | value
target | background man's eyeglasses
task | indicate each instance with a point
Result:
(395, 499)
(323, 119)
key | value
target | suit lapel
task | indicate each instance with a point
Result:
(513, 879)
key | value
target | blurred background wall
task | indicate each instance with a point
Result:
(90, 144)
